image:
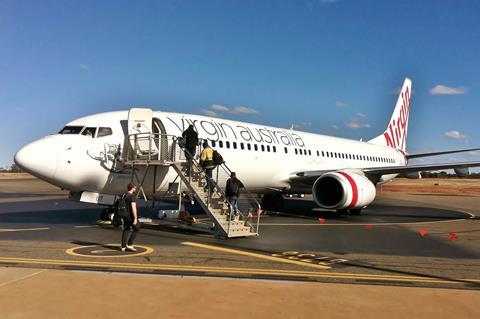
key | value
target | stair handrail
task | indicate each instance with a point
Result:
(245, 191)
(215, 185)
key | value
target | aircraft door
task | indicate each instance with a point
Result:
(140, 132)
(140, 120)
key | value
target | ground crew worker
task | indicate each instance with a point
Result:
(232, 191)
(206, 161)
(131, 225)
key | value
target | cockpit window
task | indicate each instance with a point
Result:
(89, 131)
(104, 131)
(71, 130)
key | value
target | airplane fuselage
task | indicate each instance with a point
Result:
(263, 157)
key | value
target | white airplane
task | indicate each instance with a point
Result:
(86, 156)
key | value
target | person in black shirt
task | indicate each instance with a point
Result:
(191, 142)
(232, 191)
(131, 225)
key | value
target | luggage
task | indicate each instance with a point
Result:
(217, 158)
(121, 207)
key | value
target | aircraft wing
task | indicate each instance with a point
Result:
(309, 177)
(417, 168)
(418, 155)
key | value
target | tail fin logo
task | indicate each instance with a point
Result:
(396, 133)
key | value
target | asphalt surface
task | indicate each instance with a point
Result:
(398, 240)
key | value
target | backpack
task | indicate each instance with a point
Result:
(121, 207)
(217, 158)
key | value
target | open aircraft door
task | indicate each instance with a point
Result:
(140, 131)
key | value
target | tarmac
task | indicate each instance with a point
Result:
(407, 255)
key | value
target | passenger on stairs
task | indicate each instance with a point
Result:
(206, 161)
(191, 142)
(232, 191)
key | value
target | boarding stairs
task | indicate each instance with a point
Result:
(151, 150)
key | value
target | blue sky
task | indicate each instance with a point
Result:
(331, 67)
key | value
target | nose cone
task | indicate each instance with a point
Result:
(38, 158)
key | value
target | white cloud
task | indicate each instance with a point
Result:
(243, 110)
(455, 135)
(355, 124)
(334, 127)
(215, 109)
(301, 126)
(445, 90)
(361, 114)
(340, 104)
(209, 113)
(219, 108)
(83, 66)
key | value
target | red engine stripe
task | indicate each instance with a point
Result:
(354, 188)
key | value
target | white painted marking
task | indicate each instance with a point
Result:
(5, 230)
(22, 278)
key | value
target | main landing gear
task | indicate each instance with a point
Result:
(346, 211)
(108, 215)
(273, 202)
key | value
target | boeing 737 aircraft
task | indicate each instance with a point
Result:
(86, 156)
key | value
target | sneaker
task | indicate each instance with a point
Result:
(131, 248)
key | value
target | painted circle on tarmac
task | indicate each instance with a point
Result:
(107, 251)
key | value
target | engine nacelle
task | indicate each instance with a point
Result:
(462, 171)
(340, 190)
(413, 175)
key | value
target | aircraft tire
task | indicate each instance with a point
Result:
(356, 212)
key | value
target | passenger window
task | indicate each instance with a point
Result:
(255, 147)
(323, 154)
(235, 145)
(309, 152)
(220, 143)
(71, 130)
(286, 150)
(242, 146)
(274, 149)
(89, 131)
(296, 152)
(263, 148)
(318, 153)
(248, 146)
(268, 148)
(227, 144)
(213, 143)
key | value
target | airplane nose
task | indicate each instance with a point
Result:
(38, 158)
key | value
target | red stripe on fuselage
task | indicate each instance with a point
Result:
(354, 188)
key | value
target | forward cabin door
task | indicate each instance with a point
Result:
(140, 132)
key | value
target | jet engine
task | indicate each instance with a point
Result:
(462, 171)
(342, 190)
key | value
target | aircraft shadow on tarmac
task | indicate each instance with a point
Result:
(394, 239)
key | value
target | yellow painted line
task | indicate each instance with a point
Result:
(6, 230)
(231, 270)
(250, 254)
(72, 251)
